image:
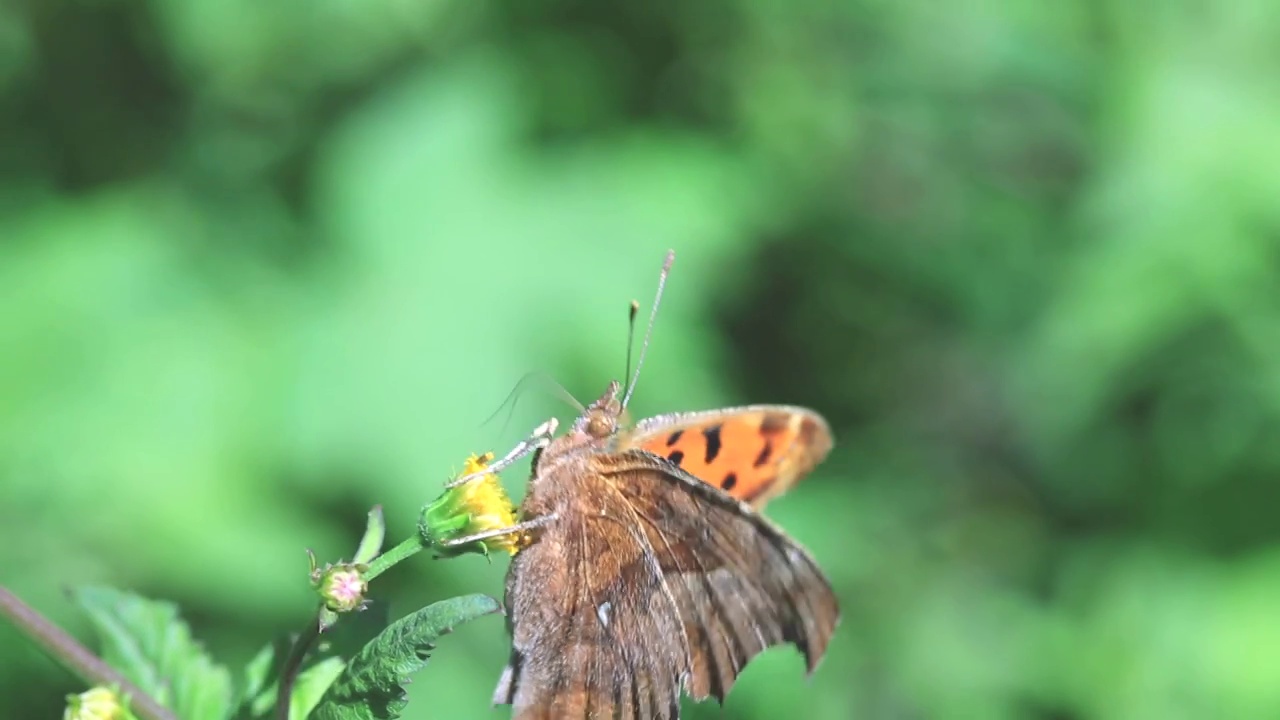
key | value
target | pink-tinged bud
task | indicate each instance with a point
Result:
(342, 587)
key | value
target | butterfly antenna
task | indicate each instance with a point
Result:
(561, 392)
(648, 333)
(521, 385)
(631, 335)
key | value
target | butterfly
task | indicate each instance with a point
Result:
(648, 568)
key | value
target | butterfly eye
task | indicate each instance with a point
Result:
(601, 425)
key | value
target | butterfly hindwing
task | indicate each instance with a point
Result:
(650, 582)
(754, 453)
(740, 584)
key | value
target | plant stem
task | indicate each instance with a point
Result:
(293, 665)
(64, 649)
(383, 562)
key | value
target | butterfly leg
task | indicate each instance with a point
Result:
(519, 527)
(538, 439)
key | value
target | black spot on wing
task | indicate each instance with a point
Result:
(674, 437)
(765, 453)
(729, 481)
(712, 434)
(676, 457)
(774, 423)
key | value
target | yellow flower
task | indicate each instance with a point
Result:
(478, 506)
(97, 703)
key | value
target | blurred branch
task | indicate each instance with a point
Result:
(63, 648)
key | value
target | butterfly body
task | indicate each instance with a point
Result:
(655, 574)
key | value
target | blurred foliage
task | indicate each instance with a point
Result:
(265, 265)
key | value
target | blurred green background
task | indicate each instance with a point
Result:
(264, 265)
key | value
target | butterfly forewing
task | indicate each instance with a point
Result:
(753, 453)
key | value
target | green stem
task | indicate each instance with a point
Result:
(64, 649)
(383, 562)
(292, 666)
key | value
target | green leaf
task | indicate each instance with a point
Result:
(148, 642)
(258, 672)
(372, 687)
(371, 544)
(257, 696)
(311, 686)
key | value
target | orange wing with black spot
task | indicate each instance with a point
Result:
(754, 453)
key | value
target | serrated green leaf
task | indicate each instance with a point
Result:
(372, 686)
(148, 642)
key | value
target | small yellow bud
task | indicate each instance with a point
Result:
(99, 703)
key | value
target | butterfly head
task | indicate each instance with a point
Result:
(603, 416)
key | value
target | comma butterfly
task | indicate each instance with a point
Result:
(647, 567)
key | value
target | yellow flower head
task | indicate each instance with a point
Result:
(97, 703)
(474, 507)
